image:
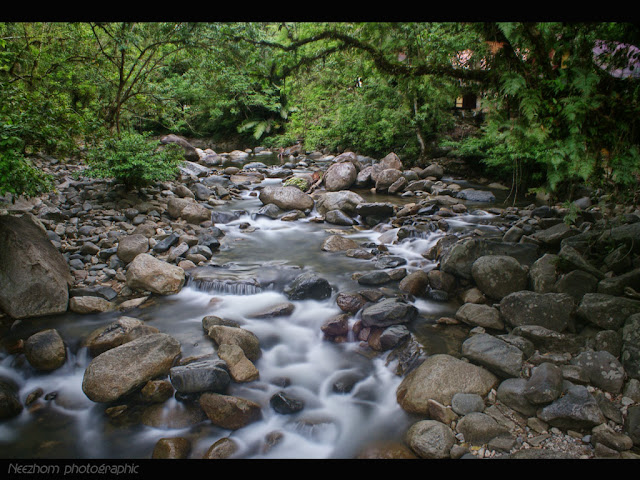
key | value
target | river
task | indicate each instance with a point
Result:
(252, 266)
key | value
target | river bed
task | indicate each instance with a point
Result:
(336, 422)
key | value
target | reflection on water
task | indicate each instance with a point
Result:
(349, 398)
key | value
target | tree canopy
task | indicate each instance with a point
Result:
(558, 101)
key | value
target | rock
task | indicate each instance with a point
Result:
(377, 277)
(340, 176)
(126, 368)
(617, 285)
(146, 272)
(391, 311)
(439, 280)
(549, 310)
(229, 412)
(189, 150)
(603, 369)
(552, 236)
(246, 340)
(285, 404)
(286, 198)
(390, 161)
(343, 200)
(480, 428)
(350, 302)
(89, 304)
(10, 405)
(308, 286)
(472, 195)
(630, 354)
(386, 178)
(336, 326)
(511, 393)
(465, 403)
(544, 385)
(34, 276)
(549, 340)
(195, 213)
(543, 273)
(432, 170)
(571, 259)
(131, 245)
(283, 309)
(386, 451)
(338, 243)
(430, 439)
(606, 311)
(338, 217)
(459, 259)
(416, 283)
(117, 333)
(376, 209)
(222, 449)
(45, 350)
(496, 355)
(576, 283)
(200, 376)
(240, 367)
(499, 275)
(480, 315)
(575, 410)
(632, 424)
(607, 436)
(172, 448)
(440, 377)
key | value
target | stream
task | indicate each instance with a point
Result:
(251, 269)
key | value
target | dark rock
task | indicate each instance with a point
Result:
(606, 311)
(459, 259)
(208, 375)
(472, 195)
(34, 276)
(499, 275)
(45, 350)
(285, 404)
(544, 385)
(575, 410)
(10, 405)
(377, 277)
(630, 355)
(603, 369)
(494, 354)
(387, 312)
(548, 310)
(308, 285)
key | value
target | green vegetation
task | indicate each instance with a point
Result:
(134, 161)
(553, 113)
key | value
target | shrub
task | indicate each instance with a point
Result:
(134, 161)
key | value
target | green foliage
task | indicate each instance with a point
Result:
(134, 161)
(298, 182)
(17, 176)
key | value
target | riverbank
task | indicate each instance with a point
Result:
(542, 299)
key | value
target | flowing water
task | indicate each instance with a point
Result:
(248, 274)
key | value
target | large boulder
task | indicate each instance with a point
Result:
(128, 367)
(553, 311)
(340, 176)
(130, 246)
(439, 378)
(286, 198)
(148, 273)
(190, 153)
(308, 285)
(386, 178)
(499, 275)
(391, 311)
(494, 354)
(459, 259)
(344, 200)
(34, 276)
(607, 311)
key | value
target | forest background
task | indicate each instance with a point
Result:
(557, 102)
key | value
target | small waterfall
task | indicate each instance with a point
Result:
(224, 286)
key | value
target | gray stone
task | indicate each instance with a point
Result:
(207, 375)
(494, 354)
(480, 428)
(286, 198)
(543, 273)
(480, 315)
(549, 310)
(464, 403)
(146, 272)
(473, 195)
(391, 311)
(630, 354)
(308, 286)
(511, 393)
(246, 340)
(606, 311)
(439, 378)
(340, 176)
(34, 276)
(603, 369)
(575, 410)
(430, 439)
(544, 384)
(45, 350)
(128, 367)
